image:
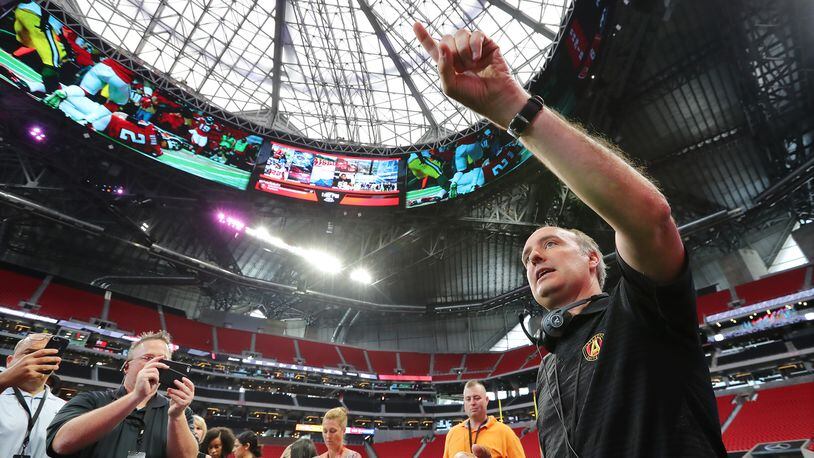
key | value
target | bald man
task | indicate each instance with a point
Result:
(481, 435)
(26, 404)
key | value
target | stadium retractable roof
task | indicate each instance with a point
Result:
(342, 71)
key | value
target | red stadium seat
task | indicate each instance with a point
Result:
(383, 362)
(404, 448)
(415, 363)
(133, 317)
(234, 341)
(513, 360)
(725, 407)
(480, 362)
(66, 302)
(16, 287)
(531, 445)
(272, 451)
(445, 362)
(474, 375)
(710, 304)
(275, 347)
(355, 357)
(434, 449)
(771, 287)
(319, 354)
(189, 333)
(778, 414)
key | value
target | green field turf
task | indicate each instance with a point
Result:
(182, 160)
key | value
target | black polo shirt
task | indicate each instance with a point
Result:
(629, 377)
(152, 419)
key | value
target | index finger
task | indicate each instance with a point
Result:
(476, 44)
(156, 362)
(428, 42)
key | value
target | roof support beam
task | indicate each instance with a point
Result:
(523, 18)
(223, 51)
(148, 32)
(279, 26)
(188, 38)
(394, 56)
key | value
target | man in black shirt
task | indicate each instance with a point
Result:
(133, 420)
(628, 377)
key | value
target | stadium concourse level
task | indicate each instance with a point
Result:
(759, 344)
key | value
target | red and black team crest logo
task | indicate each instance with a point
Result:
(591, 348)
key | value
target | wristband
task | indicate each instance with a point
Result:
(523, 119)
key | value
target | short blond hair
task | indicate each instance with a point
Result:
(162, 335)
(474, 383)
(339, 414)
(588, 245)
(198, 420)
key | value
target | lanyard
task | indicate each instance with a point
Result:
(31, 420)
(477, 432)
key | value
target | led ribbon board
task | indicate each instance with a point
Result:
(327, 178)
(61, 70)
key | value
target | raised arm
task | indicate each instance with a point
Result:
(474, 73)
(180, 440)
(89, 427)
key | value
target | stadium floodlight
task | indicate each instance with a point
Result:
(809, 316)
(323, 261)
(319, 259)
(361, 275)
(262, 234)
(37, 133)
(231, 221)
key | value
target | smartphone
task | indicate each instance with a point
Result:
(58, 343)
(176, 371)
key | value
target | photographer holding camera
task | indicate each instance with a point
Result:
(134, 420)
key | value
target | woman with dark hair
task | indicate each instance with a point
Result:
(218, 442)
(302, 448)
(246, 445)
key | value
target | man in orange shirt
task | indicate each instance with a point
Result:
(480, 429)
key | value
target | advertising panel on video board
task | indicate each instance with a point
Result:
(453, 170)
(59, 68)
(321, 177)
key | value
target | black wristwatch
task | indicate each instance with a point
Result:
(522, 120)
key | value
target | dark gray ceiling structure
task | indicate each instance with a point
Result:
(714, 99)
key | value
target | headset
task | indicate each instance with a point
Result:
(554, 323)
(552, 327)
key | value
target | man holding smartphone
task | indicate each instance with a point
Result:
(27, 406)
(134, 420)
